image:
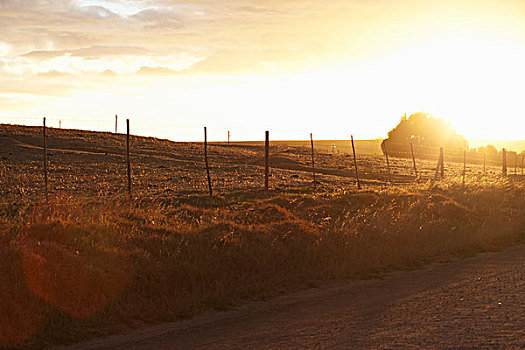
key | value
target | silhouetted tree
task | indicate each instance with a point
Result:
(422, 130)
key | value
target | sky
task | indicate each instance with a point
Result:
(331, 67)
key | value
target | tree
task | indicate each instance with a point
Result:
(423, 130)
(487, 149)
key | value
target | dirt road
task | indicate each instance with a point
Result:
(477, 302)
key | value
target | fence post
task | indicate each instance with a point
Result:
(413, 158)
(484, 162)
(116, 123)
(45, 160)
(387, 162)
(229, 137)
(128, 161)
(266, 159)
(464, 165)
(355, 163)
(504, 160)
(442, 164)
(60, 124)
(438, 165)
(206, 160)
(313, 162)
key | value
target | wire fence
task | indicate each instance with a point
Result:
(106, 164)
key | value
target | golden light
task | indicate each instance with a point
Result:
(473, 80)
(339, 72)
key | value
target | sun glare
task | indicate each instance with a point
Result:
(471, 80)
(463, 70)
(163, 162)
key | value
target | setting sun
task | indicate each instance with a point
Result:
(353, 66)
(262, 174)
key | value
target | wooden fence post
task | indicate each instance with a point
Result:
(313, 162)
(442, 164)
(266, 160)
(484, 163)
(355, 163)
(116, 123)
(387, 162)
(504, 162)
(413, 158)
(229, 137)
(206, 160)
(128, 161)
(45, 160)
(464, 165)
(438, 165)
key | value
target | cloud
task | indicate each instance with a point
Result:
(88, 38)
(96, 12)
(89, 52)
(122, 8)
(96, 61)
(54, 74)
(108, 73)
(159, 71)
(164, 37)
(175, 17)
(43, 54)
(101, 51)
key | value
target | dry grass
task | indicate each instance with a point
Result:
(82, 267)
(93, 262)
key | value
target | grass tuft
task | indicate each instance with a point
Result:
(82, 267)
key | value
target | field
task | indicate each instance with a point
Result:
(88, 163)
(93, 261)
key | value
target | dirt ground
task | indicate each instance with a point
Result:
(474, 303)
(94, 164)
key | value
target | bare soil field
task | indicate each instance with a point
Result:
(93, 261)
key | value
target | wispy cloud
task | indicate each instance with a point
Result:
(155, 37)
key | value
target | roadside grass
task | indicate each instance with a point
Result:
(82, 267)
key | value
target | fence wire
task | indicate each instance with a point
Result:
(94, 164)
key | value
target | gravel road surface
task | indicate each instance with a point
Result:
(473, 303)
